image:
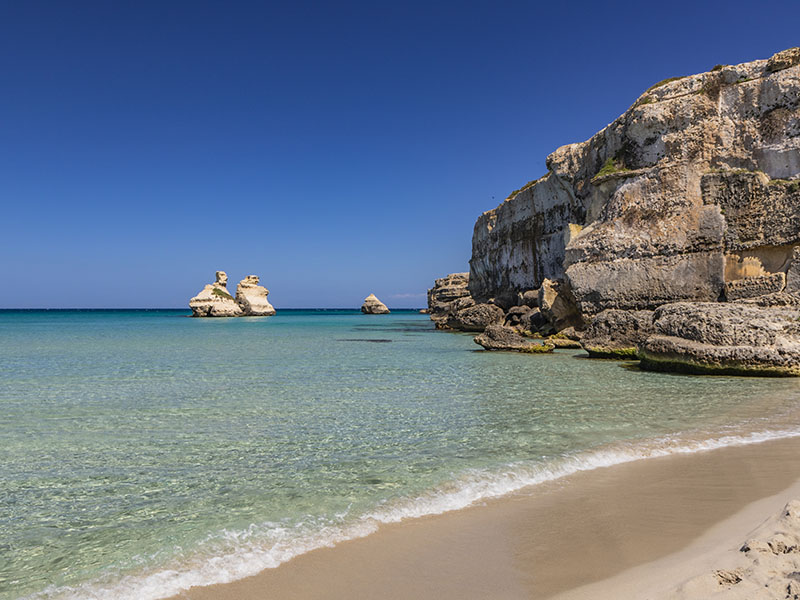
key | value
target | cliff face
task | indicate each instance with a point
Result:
(697, 184)
(521, 242)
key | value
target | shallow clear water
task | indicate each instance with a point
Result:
(142, 452)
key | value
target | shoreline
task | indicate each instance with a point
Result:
(603, 528)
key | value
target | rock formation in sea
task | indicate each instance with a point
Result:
(443, 297)
(252, 298)
(373, 306)
(693, 188)
(451, 306)
(691, 195)
(214, 300)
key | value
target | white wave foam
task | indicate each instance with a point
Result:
(480, 485)
(253, 550)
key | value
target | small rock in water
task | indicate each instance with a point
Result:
(373, 306)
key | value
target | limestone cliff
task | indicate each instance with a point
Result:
(695, 186)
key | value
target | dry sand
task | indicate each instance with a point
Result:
(637, 530)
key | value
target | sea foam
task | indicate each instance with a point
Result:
(268, 545)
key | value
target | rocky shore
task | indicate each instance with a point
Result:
(672, 235)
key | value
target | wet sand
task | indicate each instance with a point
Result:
(622, 531)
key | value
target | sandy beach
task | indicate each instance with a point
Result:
(634, 530)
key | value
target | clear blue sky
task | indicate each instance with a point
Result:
(334, 148)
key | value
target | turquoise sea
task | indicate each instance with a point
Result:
(142, 452)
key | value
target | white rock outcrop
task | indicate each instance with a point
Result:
(252, 298)
(214, 300)
(373, 306)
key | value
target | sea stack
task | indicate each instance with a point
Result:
(252, 298)
(373, 306)
(214, 300)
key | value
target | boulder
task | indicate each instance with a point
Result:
(571, 333)
(528, 321)
(252, 298)
(519, 317)
(474, 318)
(446, 291)
(617, 333)
(724, 339)
(557, 305)
(214, 300)
(559, 340)
(529, 298)
(497, 337)
(373, 306)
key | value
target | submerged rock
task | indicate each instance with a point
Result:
(214, 300)
(617, 333)
(497, 337)
(373, 306)
(716, 338)
(252, 298)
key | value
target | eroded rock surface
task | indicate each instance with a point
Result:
(695, 186)
(497, 337)
(617, 333)
(524, 319)
(476, 317)
(373, 306)
(557, 305)
(445, 292)
(252, 298)
(214, 300)
(752, 287)
(724, 338)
